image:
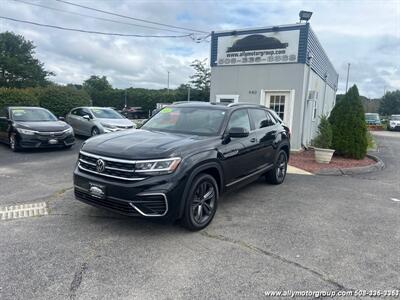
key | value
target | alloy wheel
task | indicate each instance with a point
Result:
(281, 166)
(12, 142)
(203, 204)
(95, 132)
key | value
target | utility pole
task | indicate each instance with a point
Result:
(188, 96)
(347, 80)
(168, 82)
(126, 100)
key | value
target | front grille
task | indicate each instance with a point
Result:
(148, 205)
(114, 168)
(50, 134)
(111, 203)
(125, 127)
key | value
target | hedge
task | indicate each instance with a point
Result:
(58, 99)
(18, 97)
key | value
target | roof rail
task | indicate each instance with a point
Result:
(188, 102)
(245, 103)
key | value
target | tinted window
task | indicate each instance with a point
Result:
(190, 120)
(260, 118)
(239, 118)
(3, 113)
(75, 112)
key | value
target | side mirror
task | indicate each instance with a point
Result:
(61, 118)
(238, 132)
(86, 117)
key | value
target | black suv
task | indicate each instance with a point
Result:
(181, 160)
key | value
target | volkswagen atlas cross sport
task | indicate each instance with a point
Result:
(33, 127)
(176, 166)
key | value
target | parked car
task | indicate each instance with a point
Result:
(181, 160)
(372, 119)
(394, 122)
(33, 127)
(91, 121)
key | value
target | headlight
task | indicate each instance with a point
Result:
(69, 130)
(108, 126)
(157, 166)
(26, 131)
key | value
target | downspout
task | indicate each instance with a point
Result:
(309, 59)
(323, 100)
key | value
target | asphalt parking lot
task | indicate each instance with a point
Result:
(316, 233)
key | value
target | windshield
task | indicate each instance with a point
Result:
(32, 115)
(188, 120)
(372, 116)
(106, 113)
(395, 118)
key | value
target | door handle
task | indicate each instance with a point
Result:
(253, 140)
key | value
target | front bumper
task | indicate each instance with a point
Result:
(394, 127)
(46, 141)
(154, 197)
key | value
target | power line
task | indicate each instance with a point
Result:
(97, 32)
(127, 17)
(97, 18)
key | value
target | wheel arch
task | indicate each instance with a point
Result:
(212, 168)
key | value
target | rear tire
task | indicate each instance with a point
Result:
(201, 204)
(13, 142)
(278, 174)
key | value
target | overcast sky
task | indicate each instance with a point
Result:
(363, 33)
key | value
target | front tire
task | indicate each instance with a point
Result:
(201, 204)
(95, 131)
(13, 142)
(278, 174)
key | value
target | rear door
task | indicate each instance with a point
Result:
(72, 119)
(266, 131)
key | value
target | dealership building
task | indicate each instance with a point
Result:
(282, 67)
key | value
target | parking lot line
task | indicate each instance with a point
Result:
(294, 170)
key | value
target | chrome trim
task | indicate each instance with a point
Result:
(109, 168)
(111, 176)
(151, 215)
(250, 175)
(108, 158)
(87, 162)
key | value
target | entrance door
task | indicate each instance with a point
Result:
(281, 103)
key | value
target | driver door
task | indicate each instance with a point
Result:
(239, 154)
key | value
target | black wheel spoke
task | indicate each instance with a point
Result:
(203, 202)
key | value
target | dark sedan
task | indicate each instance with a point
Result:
(33, 127)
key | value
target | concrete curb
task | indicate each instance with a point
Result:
(379, 165)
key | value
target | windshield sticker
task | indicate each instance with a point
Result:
(166, 110)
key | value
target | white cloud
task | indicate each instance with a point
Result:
(364, 33)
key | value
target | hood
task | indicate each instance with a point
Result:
(46, 126)
(141, 144)
(116, 122)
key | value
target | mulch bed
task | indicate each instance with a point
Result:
(305, 160)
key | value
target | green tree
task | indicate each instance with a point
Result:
(96, 85)
(348, 126)
(201, 79)
(324, 136)
(390, 103)
(18, 66)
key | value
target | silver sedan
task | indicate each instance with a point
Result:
(91, 121)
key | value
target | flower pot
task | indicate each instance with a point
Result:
(323, 156)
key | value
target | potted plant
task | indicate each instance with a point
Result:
(323, 142)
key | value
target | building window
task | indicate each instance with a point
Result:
(277, 103)
(227, 98)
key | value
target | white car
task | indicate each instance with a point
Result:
(394, 122)
(91, 121)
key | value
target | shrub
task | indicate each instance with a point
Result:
(348, 126)
(17, 97)
(61, 99)
(324, 136)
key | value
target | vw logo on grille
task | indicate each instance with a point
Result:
(100, 165)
